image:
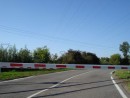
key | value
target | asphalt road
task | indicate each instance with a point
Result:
(69, 84)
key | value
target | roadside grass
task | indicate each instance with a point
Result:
(20, 74)
(124, 74)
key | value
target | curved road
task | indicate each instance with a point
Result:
(69, 84)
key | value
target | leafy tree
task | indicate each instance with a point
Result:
(24, 55)
(104, 60)
(54, 58)
(72, 57)
(125, 61)
(41, 55)
(3, 54)
(125, 48)
(115, 59)
(8, 55)
(92, 58)
(84, 55)
(78, 57)
(12, 54)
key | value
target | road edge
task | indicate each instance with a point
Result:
(117, 87)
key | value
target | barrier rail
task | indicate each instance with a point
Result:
(56, 66)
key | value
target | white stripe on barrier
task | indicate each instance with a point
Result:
(56, 66)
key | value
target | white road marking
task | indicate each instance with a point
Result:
(56, 84)
(118, 88)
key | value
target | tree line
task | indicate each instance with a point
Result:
(117, 59)
(43, 55)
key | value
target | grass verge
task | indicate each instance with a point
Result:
(125, 75)
(18, 74)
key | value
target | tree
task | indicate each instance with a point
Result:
(104, 60)
(41, 55)
(12, 54)
(92, 58)
(54, 58)
(115, 59)
(78, 57)
(71, 57)
(3, 54)
(125, 48)
(24, 55)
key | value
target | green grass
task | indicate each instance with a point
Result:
(124, 74)
(17, 74)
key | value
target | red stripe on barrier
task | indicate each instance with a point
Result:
(80, 66)
(111, 67)
(124, 67)
(40, 65)
(16, 65)
(60, 66)
(97, 67)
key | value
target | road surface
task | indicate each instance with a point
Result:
(69, 84)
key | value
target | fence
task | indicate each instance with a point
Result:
(55, 66)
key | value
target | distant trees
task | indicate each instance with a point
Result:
(8, 55)
(104, 60)
(78, 57)
(71, 57)
(54, 58)
(115, 59)
(42, 55)
(125, 48)
(11, 54)
(92, 59)
(24, 55)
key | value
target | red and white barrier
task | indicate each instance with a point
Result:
(56, 66)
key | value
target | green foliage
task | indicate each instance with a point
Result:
(115, 59)
(104, 60)
(125, 61)
(92, 59)
(54, 58)
(8, 55)
(78, 57)
(11, 54)
(125, 48)
(123, 74)
(42, 55)
(24, 55)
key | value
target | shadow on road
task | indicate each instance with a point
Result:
(27, 83)
(77, 84)
(67, 92)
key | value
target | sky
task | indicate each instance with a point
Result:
(97, 26)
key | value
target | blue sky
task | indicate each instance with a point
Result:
(97, 26)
